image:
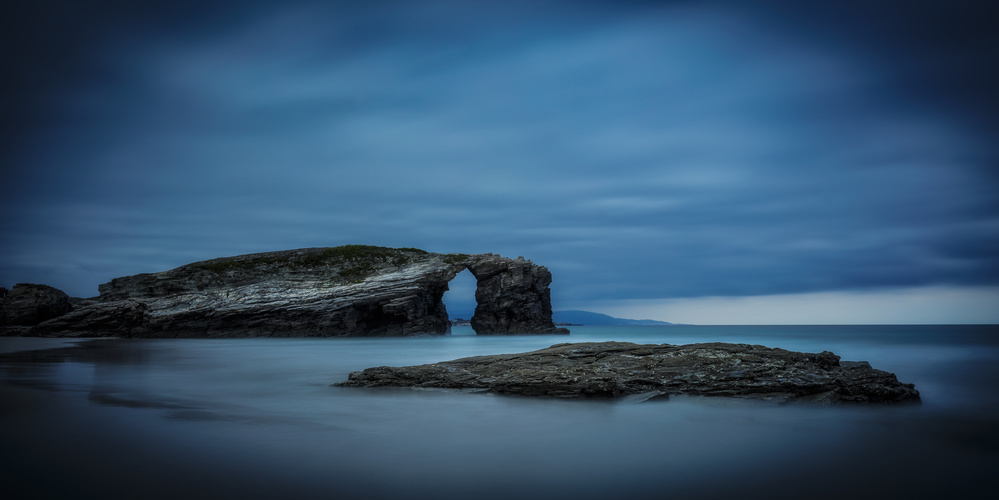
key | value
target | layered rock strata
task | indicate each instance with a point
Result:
(352, 290)
(511, 295)
(622, 369)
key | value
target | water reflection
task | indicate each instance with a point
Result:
(258, 418)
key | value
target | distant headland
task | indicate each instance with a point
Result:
(575, 317)
(582, 318)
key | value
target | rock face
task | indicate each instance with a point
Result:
(352, 290)
(27, 305)
(511, 295)
(619, 369)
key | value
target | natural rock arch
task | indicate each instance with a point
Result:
(352, 290)
(511, 296)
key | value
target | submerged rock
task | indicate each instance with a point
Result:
(622, 369)
(353, 290)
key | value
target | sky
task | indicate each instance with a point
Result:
(714, 162)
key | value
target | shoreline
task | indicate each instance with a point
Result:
(9, 345)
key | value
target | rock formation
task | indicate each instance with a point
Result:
(511, 295)
(351, 290)
(620, 369)
(27, 305)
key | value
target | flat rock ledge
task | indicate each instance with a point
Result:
(615, 370)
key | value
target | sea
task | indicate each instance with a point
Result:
(260, 418)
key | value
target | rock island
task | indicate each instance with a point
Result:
(609, 370)
(353, 290)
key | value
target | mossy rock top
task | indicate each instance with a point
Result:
(342, 256)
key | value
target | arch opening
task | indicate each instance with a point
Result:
(459, 300)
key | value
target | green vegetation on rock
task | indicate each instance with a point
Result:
(455, 258)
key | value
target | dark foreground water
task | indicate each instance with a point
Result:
(257, 418)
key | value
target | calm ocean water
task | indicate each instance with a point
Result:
(257, 418)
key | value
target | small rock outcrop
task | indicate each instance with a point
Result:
(621, 369)
(352, 290)
(27, 305)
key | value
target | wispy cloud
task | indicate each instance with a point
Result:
(639, 151)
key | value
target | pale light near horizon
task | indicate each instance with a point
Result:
(924, 305)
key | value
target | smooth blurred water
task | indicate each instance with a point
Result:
(258, 418)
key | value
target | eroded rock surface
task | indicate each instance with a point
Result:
(26, 305)
(621, 369)
(512, 295)
(352, 290)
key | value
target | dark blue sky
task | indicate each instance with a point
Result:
(643, 151)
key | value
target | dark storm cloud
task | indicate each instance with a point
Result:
(640, 150)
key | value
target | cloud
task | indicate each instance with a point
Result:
(640, 152)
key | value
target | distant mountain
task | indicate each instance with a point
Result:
(592, 318)
(461, 316)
